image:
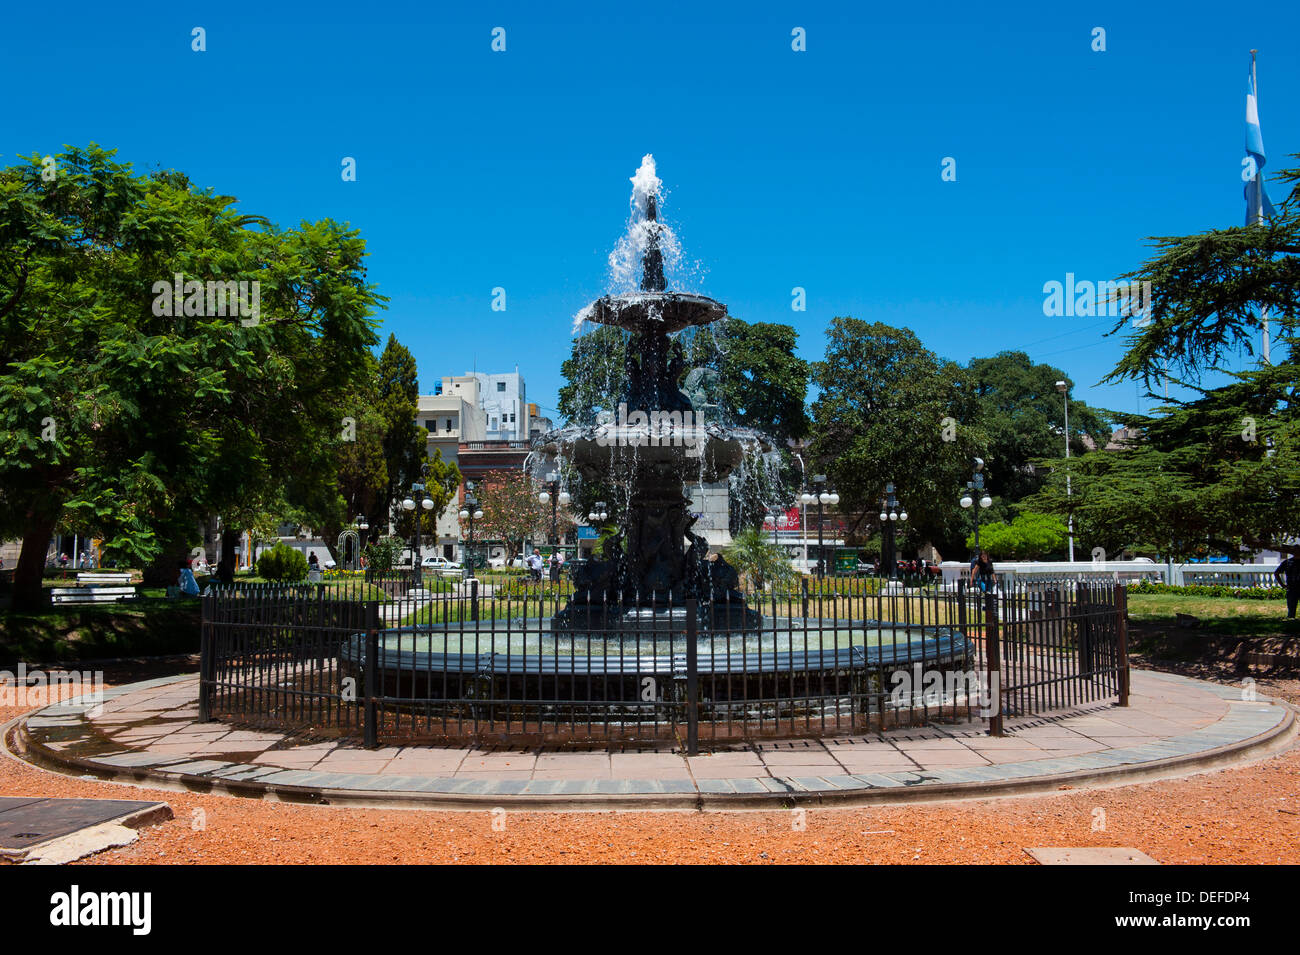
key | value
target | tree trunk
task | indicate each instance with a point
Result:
(165, 570)
(229, 538)
(28, 594)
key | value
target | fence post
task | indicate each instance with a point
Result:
(371, 714)
(803, 583)
(692, 681)
(1085, 628)
(205, 659)
(1121, 613)
(991, 643)
(473, 598)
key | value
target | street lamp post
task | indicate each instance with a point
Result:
(823, 497)
(552, 495)
(973, 486)
(362, 526)
(470, 512)
(774, 512)
(1064, 388)
(419, 497)
(890, 515)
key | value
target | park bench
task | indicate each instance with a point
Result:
(92, 595)
(104, 578)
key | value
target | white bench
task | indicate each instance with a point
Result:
(111, 579)
(91, 595)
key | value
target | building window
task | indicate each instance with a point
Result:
(494, 424)
(448, 424)
(501, 386)
(431, 425)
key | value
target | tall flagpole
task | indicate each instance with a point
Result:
(1259, 220)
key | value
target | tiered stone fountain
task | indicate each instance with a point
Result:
(657, 443)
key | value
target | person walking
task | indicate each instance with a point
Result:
(1288, 575)
(982, 573)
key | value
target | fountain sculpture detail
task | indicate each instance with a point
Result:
(656, 562)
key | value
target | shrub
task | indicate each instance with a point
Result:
(282, 564)
(383, 555)
(1209, 590)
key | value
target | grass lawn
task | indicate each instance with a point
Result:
(153, 626)
(1217, 614)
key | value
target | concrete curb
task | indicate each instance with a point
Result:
(778, 793)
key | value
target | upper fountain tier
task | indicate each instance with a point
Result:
(654, 309)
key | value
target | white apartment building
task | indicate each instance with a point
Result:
(502, 399)
(451, 417)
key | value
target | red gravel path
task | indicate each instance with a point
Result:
(1245, 815)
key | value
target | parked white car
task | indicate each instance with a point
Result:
(441, 566)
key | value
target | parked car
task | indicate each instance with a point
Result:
(441, 566)
(503, 561)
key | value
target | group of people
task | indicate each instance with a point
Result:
(536, 563)
(911, 568)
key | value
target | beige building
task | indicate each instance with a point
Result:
(452, 417)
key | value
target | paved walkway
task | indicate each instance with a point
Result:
(150, 731)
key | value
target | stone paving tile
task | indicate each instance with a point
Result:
(287, 760)
(621, 761)
(809, 758)
(724, 772)
(605, 773)
(494, 774)
(578, 761)
(945, 762)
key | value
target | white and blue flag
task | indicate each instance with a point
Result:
(1257, 202)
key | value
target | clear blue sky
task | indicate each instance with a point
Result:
(818, 169)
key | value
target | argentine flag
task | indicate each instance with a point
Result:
(1257, 204)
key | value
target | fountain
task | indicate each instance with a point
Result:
(657, 563)
(619, 657)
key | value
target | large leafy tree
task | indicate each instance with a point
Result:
(133, 421)
(1023, 417)
(511, 511)
(1220, 470)
(1208, 293)
(890, 410)
(762, 383)
(397, 393)
(1207, 475)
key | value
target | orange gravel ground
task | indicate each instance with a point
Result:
(1246, 815)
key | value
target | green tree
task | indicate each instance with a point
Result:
(762, 384)
(398, 402)
(1208, 475)
(595, 375)
(1023, 416)
(130, 409)
(511, 511)
(1221, 470)
(1207, 293)
(282, 564)
(441, 480)
(763, 562)
(1030, 536)
(890, 410)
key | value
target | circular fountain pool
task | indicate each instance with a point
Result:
(521, 660)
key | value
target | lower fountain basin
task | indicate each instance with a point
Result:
(518, 660)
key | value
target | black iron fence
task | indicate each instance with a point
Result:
(410, 658)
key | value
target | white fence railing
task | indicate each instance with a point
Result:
(1228, 575)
